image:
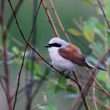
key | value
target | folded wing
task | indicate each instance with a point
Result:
(73, 53)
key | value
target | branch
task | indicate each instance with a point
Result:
(80, 89)
(19, 74)
(101, 88)
(29, 89)
(101, 103)
(58, 20)
(50, 19)
(101, 7)
(41, 55)
(94, 96)
(3, 87)
(90, 80)
(10, 20)
(4, 42)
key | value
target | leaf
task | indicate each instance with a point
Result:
(74, 32)
(102, 76)
(89, 32)
(71, 89)
(91, 27)
(15, 50)
(28, 64)
(61, 84)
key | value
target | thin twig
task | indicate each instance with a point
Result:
(29, 87)
(46, 60)
(93, 97)
(27, 41)
(19, 74)
(11, 18)
(100, 86)
(101, 103)
(102, 89)
(82, 95)
(6, 69)
(41, 82)
(101, 7)
(3, 87)
(90, 80)
(58, 20)
(50, 18)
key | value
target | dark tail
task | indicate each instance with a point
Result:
(91, 67)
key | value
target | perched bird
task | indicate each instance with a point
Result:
(65, 56)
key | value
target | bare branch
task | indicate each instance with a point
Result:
(19, 74)
(58, 20)
(101, 7)
(89, 81)
(50, 19)
(80, 89)
(6, 69)
(12, 16)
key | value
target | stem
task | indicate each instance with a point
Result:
(19, 74)
(29, 88)
(50, 18)
(11, 18)
(87, 87)
(82, 95)
(94, 97)
(58, 20)
(6, 70)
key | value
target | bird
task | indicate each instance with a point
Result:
(66, 56)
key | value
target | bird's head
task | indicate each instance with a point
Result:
(56, 43)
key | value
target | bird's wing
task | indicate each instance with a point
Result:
(73, 53)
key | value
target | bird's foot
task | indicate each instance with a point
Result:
(67, 76)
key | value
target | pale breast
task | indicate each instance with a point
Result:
(59, 62)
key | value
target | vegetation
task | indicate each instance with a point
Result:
(27, 79)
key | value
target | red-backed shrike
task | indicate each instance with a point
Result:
(65, 56)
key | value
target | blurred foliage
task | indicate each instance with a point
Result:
(95, 31)
(88, 31)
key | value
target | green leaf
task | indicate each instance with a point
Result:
(28, 64)
(102, 76)
(91, 27)
(74, 32)
(71, 89)
(16, 50)
(89, 31)
(61, 84)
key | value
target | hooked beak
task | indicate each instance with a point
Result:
(47, 46)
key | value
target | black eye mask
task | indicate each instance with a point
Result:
(53, 45)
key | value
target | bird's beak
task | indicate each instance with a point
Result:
(47, 46)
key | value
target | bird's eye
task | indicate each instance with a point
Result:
(54, 45)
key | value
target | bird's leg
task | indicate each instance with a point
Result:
(67, 75)
(75, 76)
